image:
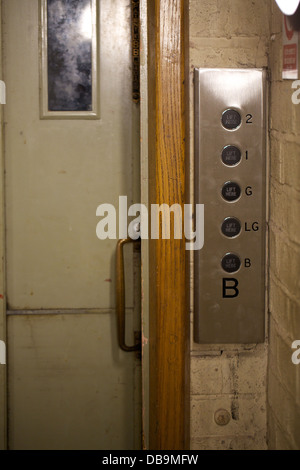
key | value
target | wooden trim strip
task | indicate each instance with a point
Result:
(169, 318)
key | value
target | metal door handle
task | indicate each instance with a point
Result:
(120, 295)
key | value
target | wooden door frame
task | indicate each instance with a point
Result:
(168, 260)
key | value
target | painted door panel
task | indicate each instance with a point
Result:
(69, 385)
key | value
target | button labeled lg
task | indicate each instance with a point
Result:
(231, 227)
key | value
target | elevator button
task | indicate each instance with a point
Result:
(231, 191)
(231, 155)
(231, 227)
(231, 119)
(231, 263)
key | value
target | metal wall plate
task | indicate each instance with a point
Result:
(230, 180)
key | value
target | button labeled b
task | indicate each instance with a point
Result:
(231, 263)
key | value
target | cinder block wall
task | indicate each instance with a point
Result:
(284, 294)
(231, 33)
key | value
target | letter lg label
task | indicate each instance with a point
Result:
(251, 227)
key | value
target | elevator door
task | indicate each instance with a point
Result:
(69, 385)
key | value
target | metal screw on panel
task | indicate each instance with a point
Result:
(222, 417)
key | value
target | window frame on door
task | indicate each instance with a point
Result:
(45, 113)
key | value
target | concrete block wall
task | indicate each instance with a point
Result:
(231, 33)
(283, 404)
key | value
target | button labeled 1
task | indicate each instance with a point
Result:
(231, 155)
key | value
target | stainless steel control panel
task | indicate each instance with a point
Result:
(230, 180)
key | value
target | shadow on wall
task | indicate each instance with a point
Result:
(291, 8)
(295, 20)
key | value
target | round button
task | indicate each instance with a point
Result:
(231, 155)
(231, 263)
(231, 191)
(231, 227)
(231, 119)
